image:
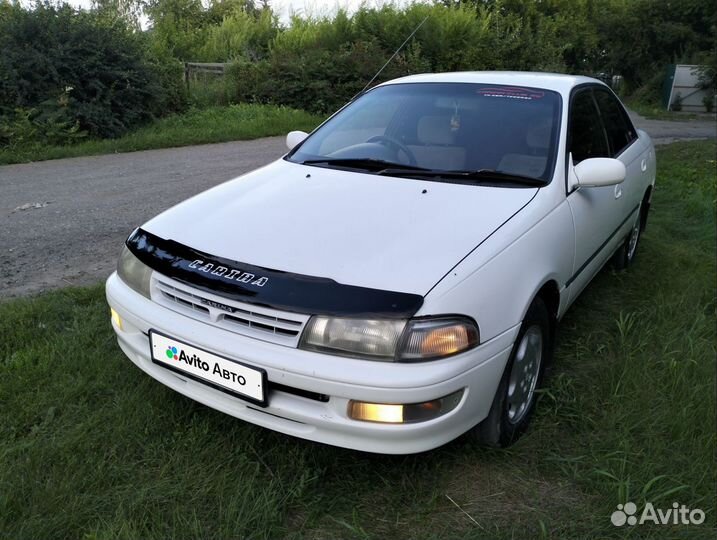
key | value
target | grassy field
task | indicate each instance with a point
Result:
(655, 112)
(198, 126)
(92, 448)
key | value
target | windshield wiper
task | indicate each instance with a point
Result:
(388, 168)
(481, 176)
(369, 164)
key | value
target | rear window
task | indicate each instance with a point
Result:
(618, 127)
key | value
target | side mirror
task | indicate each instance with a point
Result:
(294, 138)
(596, 172)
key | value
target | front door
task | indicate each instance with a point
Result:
(597, 211)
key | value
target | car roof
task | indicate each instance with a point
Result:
(548, 81)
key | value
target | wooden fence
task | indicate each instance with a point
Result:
(193, 69)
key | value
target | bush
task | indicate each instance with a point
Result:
(319, 64)
(48, 123)
(64, 73)
(79, 71)
(239, 35)
(317, 80)
(676, 103)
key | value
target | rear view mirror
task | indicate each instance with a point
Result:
(596, 172)
(294, 138)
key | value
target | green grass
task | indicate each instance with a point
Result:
(658, 112)
(198, 126)
(209, 91)
(90, 447)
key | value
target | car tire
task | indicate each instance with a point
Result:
(514, 401)
(625, 255)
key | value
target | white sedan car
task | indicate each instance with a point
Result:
(396, 279)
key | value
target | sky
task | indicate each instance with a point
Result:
(284, 8)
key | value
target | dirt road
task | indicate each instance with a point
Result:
(62, 222)
(667, 131)
(93, 203)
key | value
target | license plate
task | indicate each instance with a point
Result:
(230, 376)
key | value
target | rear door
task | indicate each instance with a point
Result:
(624, 145)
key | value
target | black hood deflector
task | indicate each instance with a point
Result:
(266, 287)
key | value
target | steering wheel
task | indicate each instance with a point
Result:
(396, 145)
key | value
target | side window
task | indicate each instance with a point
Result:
(620, 132)
(586, 135)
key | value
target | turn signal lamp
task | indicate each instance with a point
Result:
(116, 318)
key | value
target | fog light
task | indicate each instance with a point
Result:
(376, 412)
(116, 318)
(387, 413)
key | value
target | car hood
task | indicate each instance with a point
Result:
(372, 231)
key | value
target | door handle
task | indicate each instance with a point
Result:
(618, 191)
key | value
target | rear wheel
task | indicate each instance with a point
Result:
(625, 255)
(515, 398)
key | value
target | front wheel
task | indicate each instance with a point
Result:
(515, 398)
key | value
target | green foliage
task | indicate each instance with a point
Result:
(317, 79)
(75, 71)
(121, 76)
(171, 96)
(239, 35)
(223, 30)
(639, 37)
(708, 78)
(196, 126)
(318, 63)
(49, 123)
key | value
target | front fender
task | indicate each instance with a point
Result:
(497, 282)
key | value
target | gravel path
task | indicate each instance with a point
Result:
(62, 222)
(93, 203)
(667, 131)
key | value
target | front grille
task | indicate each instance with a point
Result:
(253, 321)
(194, 306)
(271, 324)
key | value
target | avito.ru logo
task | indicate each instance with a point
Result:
(677, 515)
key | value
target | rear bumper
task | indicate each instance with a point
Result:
(477, 373)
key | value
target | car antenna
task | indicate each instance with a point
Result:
(392, 57)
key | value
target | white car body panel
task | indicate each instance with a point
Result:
(354, 228)
(598, 212)
(505, 267)
(479, 369)
(475, 251)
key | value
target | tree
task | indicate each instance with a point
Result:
(129, 11)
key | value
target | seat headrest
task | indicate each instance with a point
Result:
(435, 130)
(538, 135)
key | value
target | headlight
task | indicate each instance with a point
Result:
(374, 339)
(390, 340)
(134, 272)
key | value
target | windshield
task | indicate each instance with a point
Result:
(449, 127)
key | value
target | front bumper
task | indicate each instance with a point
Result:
(476, 372)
